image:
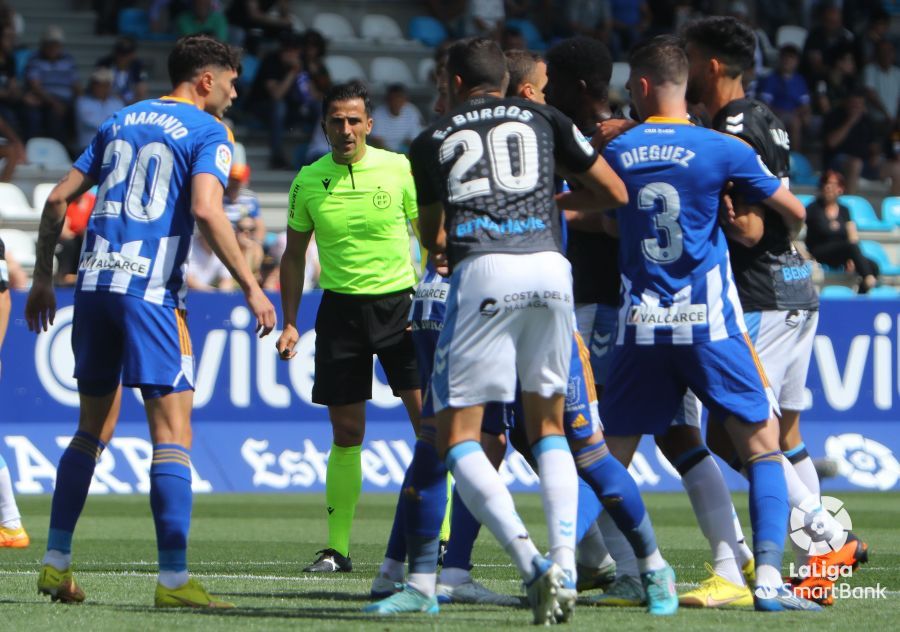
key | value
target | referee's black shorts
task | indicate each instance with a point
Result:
(350, 329)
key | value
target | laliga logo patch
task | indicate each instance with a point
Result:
(863, 461)
(223, 159)
(820, 529)
(582, 141)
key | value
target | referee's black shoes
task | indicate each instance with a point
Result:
(330, 561)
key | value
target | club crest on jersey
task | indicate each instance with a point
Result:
(223, 159)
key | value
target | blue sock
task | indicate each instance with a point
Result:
(619, 494)
(464, 530)
(396, 546)
(73, 479)
(426, 501)
(170, 500)
(589, 509)
(768, 507)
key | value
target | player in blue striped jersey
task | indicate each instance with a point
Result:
(681, 324)
(160, 165)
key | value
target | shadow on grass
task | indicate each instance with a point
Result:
(319, 595)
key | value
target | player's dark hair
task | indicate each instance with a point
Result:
(582, 59)
(346, 92)
(478, 61)
(662, 58)
(521, 65)
(727, 39)
(193, 53)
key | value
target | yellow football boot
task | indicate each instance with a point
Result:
(191, 595)
(14, 538)
(749, 572)
(60, 585)
(717, 592)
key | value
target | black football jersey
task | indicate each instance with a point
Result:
(490, 162)
(771, 275)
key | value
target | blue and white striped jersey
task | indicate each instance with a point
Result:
(677, 285)
(143, 159)
(430, 302)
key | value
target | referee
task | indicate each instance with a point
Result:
(357, 200)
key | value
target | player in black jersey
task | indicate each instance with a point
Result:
(773, 280)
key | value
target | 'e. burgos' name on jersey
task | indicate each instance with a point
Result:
(490, 163)
(143, 159)
(677, 285)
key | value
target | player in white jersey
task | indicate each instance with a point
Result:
(160, 164)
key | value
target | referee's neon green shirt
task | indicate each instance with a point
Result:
(359, 214)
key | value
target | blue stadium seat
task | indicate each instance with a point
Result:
(427, 30)
(837, 291)
(21, 56)
(134, 22)
(862, 213)
(884, 291)
(875, 251)
(890, 211)
(529, 31)
(801, 170)
(805, 198)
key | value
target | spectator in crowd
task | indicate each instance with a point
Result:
(511, 38)
(272, 271)
(876, 31)
(245, 231)
(485, 18)
(590, 18)
(10, 17)
(452, 14)
(629, 19)
(13, 152)
(823, 43)
(203, 19)
(397, 122)
(10, 89)
(831, 235)
(882, 78)
(129, 74)
(68, 250)
(205, 272)
(52, 85)
(785, 91)
(95, 106)
(283, 95)
(840, 81)
(272, 18)
(240, 201)
(314, 48)
(854, 148)
(765, 54)
(858, 13)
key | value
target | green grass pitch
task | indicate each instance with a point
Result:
(250, 549)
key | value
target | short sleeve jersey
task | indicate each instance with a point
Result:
(359, 213)
(144, 158)
(677, 284)
(771, 275)
(490, 163)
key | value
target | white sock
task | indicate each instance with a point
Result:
(799, 495)
(173, 579)
(592, 551)
(806, 470)
(57, 559)
(425, 583)
(454, 576)
(769, 576)
(653, 562)
(619, 548)
(712, 505)
(743, 551)
(489, 500)
(559, 493)
(9, 511)
(392, 569)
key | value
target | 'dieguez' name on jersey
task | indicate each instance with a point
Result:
(771, 275)
(491, 163)
(139, 234)
(677, 286)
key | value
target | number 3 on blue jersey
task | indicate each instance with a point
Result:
(669, 244)
(154, 160)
